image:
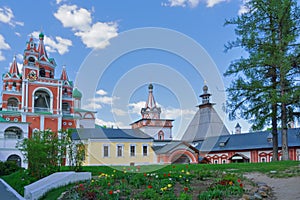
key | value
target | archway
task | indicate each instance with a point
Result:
(13, 133)
(42, 101)
(15, 158)
(183, 157)
(180, 159)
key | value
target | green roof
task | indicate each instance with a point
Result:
(2, 120)
(10, 112)
(83, 110)
(77, 94)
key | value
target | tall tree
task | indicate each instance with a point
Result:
(45, 152)
(264, 87)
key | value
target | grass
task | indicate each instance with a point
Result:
(55, 193)
(283, 169)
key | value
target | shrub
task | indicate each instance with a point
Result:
(8, 167)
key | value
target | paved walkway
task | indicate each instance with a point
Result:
(8, 193)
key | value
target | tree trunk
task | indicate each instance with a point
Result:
(274, 132)
(285, 149)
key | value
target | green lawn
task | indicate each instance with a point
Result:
(283, 169)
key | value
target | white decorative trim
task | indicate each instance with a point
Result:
(50, 94)
(108, 151)
(122, 146)
(132, 145)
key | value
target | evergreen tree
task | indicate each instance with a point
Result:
(265, 85)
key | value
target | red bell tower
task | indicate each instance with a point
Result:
(35, 96)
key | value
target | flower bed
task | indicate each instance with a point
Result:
(177, 183)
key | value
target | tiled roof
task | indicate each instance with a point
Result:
(206, 123)
(108, 133)
(255, 140)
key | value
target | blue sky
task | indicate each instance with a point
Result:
(74, 28)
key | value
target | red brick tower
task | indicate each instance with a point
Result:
(35, 96)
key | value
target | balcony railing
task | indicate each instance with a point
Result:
(12, 108)
(41, 109)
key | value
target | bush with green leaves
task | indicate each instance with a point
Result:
(8, 167)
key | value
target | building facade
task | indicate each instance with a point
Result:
(33, 99)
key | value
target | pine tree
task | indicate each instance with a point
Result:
(265, 85)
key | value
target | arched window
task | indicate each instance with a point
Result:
(13, 133)
(66, 108)
(160, 135)
(51, 74)
(31, 61)
(41, 101)
(42, 72)
(14, 86)
(12, 104)
(15, 158)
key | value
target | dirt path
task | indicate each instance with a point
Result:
(283, 188)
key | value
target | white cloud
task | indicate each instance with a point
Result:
(166, 112)
(92, 106)
(212, 3)
(101, 92)
(99, 34)
(18, 34)
(1, 56)
(59, 1)
(243, 8)
(135, 108)
(98, 102)
(59, 44)
(3, 46)
(104, 99)
(110, 124)
(119, 112)
(6, 16)
(182, 3)
(73, 17)
(173, 113)
(192, 3)
(95, 35)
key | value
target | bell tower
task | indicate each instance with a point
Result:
(35, 96)
(151, 123)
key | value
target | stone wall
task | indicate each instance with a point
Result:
(39, 188)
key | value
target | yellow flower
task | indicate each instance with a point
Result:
(114, 171)
(169, 185)
(230, 183)
(125, 172)
(187, 173)
(112, 175)
(93, 181)
(180, 176)
(182, 171)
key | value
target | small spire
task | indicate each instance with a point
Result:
(14, 67)
(64, 75)
(151, 101)
(41, 48)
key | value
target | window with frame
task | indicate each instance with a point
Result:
(145, 150)
(105, 151)
(119, 150)
(132, 150)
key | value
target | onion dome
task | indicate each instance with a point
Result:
(77, 94)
